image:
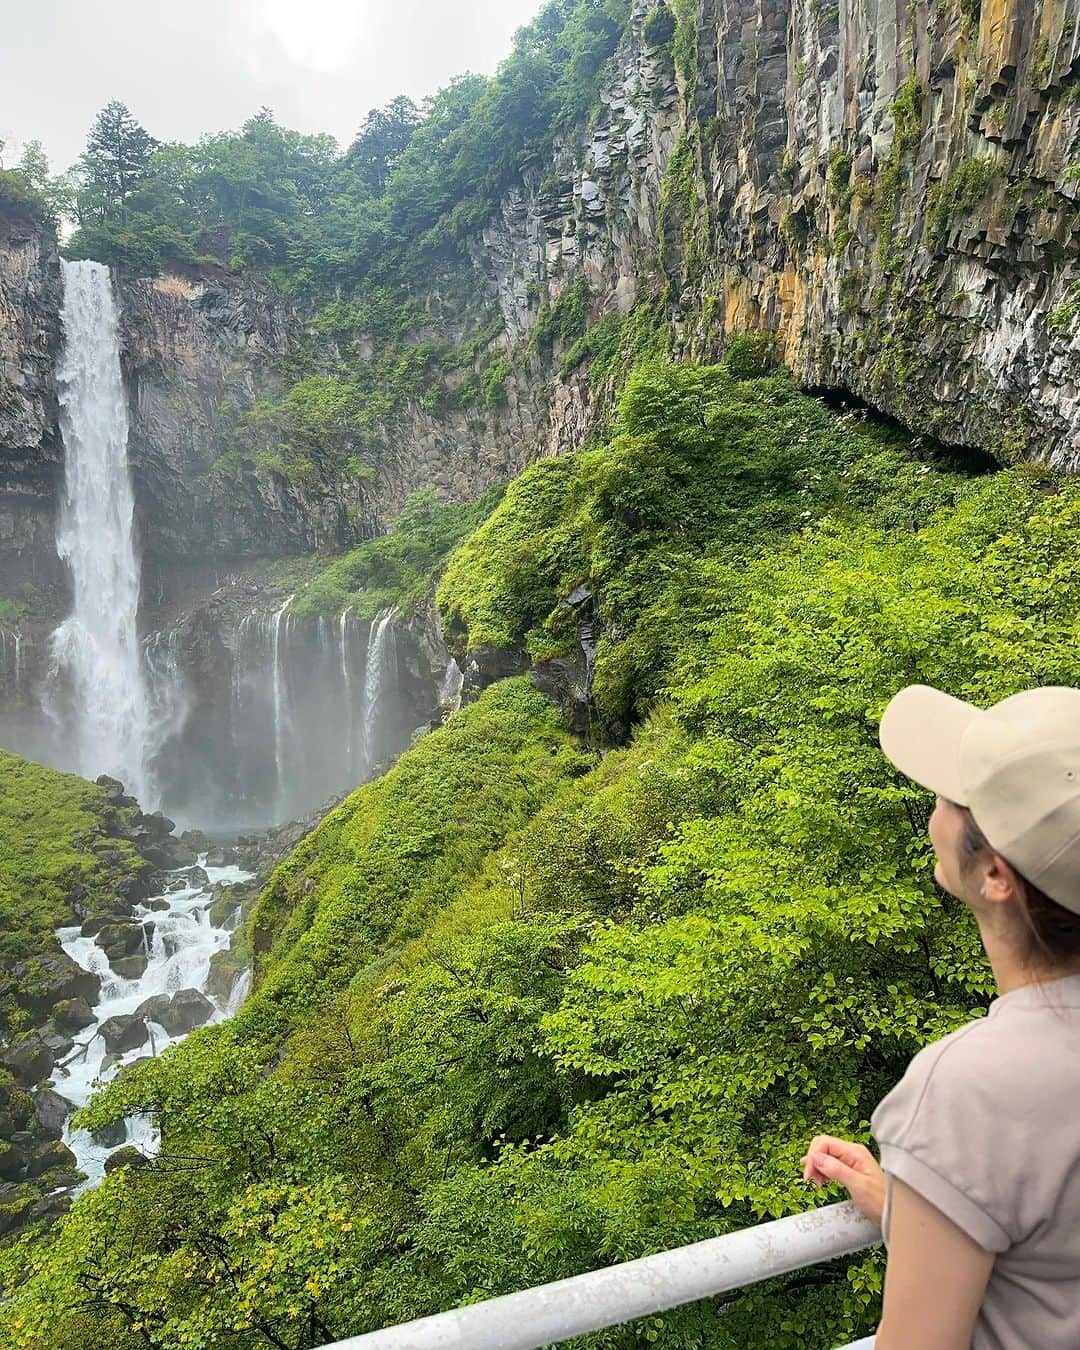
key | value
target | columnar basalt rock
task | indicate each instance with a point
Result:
(30, 453)
(890, 187)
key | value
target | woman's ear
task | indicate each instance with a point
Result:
(1000, 882)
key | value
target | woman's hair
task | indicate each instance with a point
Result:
(1053, 930)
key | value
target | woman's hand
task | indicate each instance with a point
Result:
(853, 1166)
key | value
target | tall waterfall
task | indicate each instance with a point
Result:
(379, 675)
(347, 687)
(280, 691)
(96, 658)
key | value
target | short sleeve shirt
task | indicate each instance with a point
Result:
(985, 1125)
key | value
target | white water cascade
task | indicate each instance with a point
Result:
(380, 673)
(279, 697)
(106, 715)
(179, 940)
(347, 687)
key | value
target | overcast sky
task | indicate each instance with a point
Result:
(188, 66)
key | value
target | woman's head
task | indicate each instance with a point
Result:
(1042, 934)
(1006, 829)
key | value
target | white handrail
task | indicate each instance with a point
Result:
(556, 1312)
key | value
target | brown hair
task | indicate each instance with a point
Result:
(1053, 930)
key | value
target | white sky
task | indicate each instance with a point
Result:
(188, 66)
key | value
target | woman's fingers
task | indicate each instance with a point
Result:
(853, 1166)
(828, 1147)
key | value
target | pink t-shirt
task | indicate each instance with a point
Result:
(985, 1125)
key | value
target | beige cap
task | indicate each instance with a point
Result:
(1015, 766)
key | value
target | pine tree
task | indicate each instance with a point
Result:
(118, 153)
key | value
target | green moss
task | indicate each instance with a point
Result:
(965, 188)
(659, 28)
(58, 842)
(906, 115)
(564, 321)
(1063, 319)
(395, 570)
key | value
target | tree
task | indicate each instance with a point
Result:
(117, 156)
(382, 140)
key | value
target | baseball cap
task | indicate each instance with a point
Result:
(1015, 766)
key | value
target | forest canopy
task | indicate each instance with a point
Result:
(412, 184)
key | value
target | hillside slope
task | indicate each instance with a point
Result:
(524, 1008)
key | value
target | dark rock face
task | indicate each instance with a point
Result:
(125, 1157)
(29, 1059)
(51, 1111)
(110, 1136)
(43, 981)
(123, 1033)
(187, 1010)
(30, 451)
(73, 1014)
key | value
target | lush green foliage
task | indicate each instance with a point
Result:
(701, 461)
(522, 1009)
(395, 570)
(413, 183)
(58, 842)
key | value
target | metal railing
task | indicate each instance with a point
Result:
(551, 1313)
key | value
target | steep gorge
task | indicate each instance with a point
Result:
(890, 189)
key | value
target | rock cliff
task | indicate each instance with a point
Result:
(889, 188)
(30, 450)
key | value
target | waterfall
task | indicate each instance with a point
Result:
(346, 681)
(380, 672)
(279, 695)
(95, 653)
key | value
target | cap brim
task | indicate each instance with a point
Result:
(921, 730)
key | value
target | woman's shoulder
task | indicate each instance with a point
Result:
(995, 1063)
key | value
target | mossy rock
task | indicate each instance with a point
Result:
(16, 1201)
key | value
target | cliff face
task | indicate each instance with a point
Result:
(890, 188)
(30, 451)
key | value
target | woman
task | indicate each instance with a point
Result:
(978, 1191)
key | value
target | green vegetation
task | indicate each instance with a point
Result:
(959, 194)
(522, 1009)
(1062, 320)
(58, 842)
(701, 460)
(395, 570)
(907, 120)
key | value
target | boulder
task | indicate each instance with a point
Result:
(222, 857)
(29, 1060)
(51, 1111)
(155, 906)
(15, 1204)
(223, 908)
(121, 939)
(72, 1014)
(20, 1109)
(45, 1157)
(128, 1156)
(58, 1043)
(131, 967)
(110, 1136)
(92, 927)
(13, 1159)
(43, 981)
(150, 1009)
(187, 1010)
(123, 1032)
(195, 839)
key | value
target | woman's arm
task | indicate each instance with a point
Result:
(935, 1279)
